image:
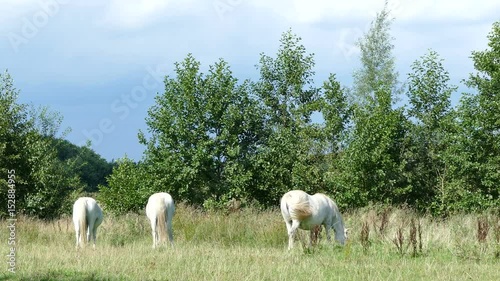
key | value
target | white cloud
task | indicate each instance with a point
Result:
(313, 11)
(11, 11)
(133, 14)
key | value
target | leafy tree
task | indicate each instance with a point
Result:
(286, 160)
(88, 165)
(431, 131)
(371, 168)
(127, 190)
(377, 63)
(337, 114)
(203, 129)
(43, 183)
(474, 154)
(14, 133)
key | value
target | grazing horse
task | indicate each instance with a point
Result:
(160, 210)
(304, 211)
(87, 216)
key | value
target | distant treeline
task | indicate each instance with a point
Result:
(40, 172)
(212, 138)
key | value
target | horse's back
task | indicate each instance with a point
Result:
(92, 209)
(160, 201)
(295, 197)
(323, 200)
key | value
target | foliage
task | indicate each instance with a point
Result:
(487, 118)
(212, 139)
(377, 62)
(286, 158)
(126, 190)
(430, 132)
(42, 182)
(371, 168)
(474, 152)
(203, 131)
(88, 165)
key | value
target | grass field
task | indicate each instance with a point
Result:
(384, 244)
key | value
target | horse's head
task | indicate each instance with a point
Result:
(341, 235)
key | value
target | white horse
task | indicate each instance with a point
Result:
(304, 211)
(87, 216)
(160, 210)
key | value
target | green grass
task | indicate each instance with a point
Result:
(251, 245)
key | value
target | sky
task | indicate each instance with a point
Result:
(100, 63)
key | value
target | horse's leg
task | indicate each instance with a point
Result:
(288, 228)
(327, 230)
(77, 238)
(291, 233)
(90, 229)
(153, 231)
(97, 223)
(94, 234)
(170, 232)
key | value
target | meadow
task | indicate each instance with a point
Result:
(384, 244)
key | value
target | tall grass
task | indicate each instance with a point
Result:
(251, 245)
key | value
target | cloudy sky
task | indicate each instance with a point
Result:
(101, 62)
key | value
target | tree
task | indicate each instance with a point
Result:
(203, 129)
(337, 113)
(91, 168)
(371, 167)
(377, 63)
(474, 154)
(430, 132)
(287, 158)
(43, 183)
(14, 131)
(127, 190)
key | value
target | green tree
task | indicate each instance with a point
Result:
(286, 160)
(14, 133)
(127, 189)
(377, 63)
(430, 132)
(88, 165)
(474, 153)
(43, 183)
(203, 129)
(371, 168)
(337, 114)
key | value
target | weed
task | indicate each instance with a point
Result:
(415, 239)
(384, 221)
(482, 229)
(399, 240)
(364, 236)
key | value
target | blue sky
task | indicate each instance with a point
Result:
(100, 63)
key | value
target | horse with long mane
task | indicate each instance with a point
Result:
(304, 211)
(87, 216)
(160, 210)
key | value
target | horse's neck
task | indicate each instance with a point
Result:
(338, 222)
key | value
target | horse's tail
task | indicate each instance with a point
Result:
(298, 206)
(161, 219)
(82, 217)
(301, 211)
